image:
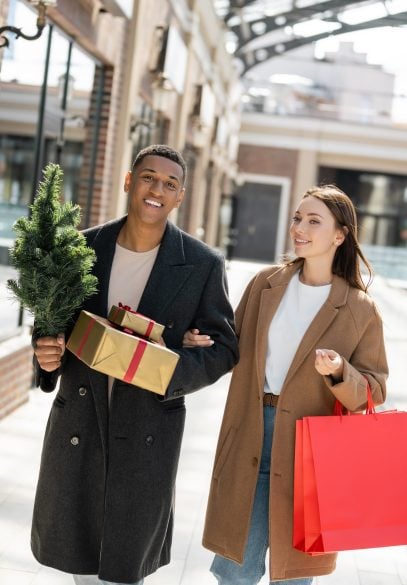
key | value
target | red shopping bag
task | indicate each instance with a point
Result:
(350, 482)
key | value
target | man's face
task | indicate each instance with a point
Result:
(155, 188)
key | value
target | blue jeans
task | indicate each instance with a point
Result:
(254, 566)
(94, 580)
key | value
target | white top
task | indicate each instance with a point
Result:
(129, 276)
(296, 311)
(128, 279)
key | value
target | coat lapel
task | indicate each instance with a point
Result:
(104, 245)
(323, 319)
(269, 301)
(169, 273)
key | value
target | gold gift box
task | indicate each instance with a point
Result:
(106, 349)
(136, 322)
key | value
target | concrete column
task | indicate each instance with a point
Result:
(198, 193)
(180, 128)
(306, 173)
(132, 70)
(211, 228)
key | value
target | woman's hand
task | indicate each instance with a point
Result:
(192, 338)
(329, 363)
(49, 352)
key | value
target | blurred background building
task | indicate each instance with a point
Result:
(246, 90)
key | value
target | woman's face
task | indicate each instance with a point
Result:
(313, 231)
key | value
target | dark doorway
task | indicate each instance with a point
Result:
(257, 213)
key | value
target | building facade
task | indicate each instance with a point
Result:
(106, 78)
(309, 121)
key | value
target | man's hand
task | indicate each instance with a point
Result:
(49, 352)
(192, 338)
(329, 363)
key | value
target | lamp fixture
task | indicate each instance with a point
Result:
(42, 6)
(140, 127)
(162, 92)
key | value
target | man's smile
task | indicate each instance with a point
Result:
(153, 203)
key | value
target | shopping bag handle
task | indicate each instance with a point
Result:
(370, 409)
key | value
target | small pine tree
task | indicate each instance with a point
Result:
(53, 260)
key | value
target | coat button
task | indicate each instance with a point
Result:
(74, 441)
(82, 391)
(149, 440)
(169, 324)
(255, 461)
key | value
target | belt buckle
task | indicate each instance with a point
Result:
(270, 399)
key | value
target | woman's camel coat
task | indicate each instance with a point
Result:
(349, 323)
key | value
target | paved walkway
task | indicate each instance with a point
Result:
(20, 443)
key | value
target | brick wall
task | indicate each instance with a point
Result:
(266, 160)
(16, 372)
(103, 119)
(92, 171)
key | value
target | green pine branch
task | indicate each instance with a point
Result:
(52, 258)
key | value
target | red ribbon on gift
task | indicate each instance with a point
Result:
(85, 337)
(135, 361)
(150, 325)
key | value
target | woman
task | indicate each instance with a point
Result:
(308, 334)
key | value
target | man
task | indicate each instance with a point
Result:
(105, 496)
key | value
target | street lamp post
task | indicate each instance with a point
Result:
(42, 6)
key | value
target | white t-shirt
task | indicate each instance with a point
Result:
(129, 276)
(128, 279)
(297, 309)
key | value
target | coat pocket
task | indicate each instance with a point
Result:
(224, 452)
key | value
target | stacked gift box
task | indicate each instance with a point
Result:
(124, 346)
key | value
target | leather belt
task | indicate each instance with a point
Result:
(270, 399)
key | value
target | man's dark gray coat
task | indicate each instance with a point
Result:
(105, 495)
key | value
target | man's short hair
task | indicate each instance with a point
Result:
(164, 151)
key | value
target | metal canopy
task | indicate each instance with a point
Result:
(261, 29)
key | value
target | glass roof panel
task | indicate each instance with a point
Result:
(306, 3)
(363, 13)
(252, 10)
(264, 29)
(395, 6)
(314, 27)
